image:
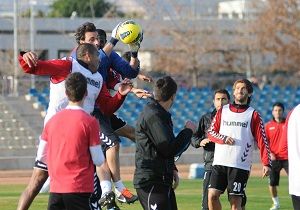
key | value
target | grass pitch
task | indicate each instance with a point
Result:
(188, 196)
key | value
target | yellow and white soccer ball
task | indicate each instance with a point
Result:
(130, 32)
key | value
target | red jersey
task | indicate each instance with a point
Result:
(113, 78)
(69, 134)
(276, 137)
(256, 126)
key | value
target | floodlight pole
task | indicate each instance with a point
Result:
(16, 69)
(32, 33)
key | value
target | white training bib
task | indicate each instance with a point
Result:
(238, 127)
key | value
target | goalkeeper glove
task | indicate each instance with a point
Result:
(115, 35)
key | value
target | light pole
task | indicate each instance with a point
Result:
(32, 33)
(16, 69)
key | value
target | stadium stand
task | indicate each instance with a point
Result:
(20, 129)
(194, 102)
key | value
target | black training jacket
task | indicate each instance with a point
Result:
(156, 146)
(201, 134)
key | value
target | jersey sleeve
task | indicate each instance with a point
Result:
(259, 135)
(56, 69)
(123, 67)
(108, 104)
(94, 132)
(200, 133)
(213, 132)
(112, 79)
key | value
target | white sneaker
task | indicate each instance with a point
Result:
(275, 207)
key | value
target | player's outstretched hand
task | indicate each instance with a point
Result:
(266, 171)
(141, 93)
(144, 78)
(115, 33)
(134, 47)
(189, 124)
(229, 140)
(125, 87)
(30, 58)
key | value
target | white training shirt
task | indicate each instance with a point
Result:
(237, 126)
(58, 99)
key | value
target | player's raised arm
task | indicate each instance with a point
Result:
(29, 64)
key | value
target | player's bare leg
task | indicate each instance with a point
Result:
(214, 199)
(38, 178)
(126, 131)
(236, 202)
(113, 162)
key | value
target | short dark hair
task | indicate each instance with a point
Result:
(81, 30)
(76, 86)
(222, 91)
(164, 88)
(101, 32)
(84, 48)
(278, 104)
(246, 82)
(126, 56)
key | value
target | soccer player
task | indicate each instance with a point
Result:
(279, 157)
(293, 140)
(71, 140)
(87, 33)
(120, 127)
(87, 63)
(221, 97)
(156, 147)
(235, 129)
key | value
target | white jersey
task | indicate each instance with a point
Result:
(58, 99)
(293, 136)
(238, 127)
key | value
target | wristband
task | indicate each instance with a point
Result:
(134, 54)
(113, 41)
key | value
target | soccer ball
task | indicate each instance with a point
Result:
(130, 32)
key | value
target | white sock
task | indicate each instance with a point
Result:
(105, 187)
(119, 185)
(275, 200)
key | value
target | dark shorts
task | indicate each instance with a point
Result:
(157, 197)
(69, 201)
(116, 122)
(107, 136)
(296, 202)
(277, 166)
(232, 179)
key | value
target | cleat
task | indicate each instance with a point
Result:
(112, 206)
(275, 207)
(126, 196)
(107, 198)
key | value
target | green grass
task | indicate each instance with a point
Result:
(188, 196)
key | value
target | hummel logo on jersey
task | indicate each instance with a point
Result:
(153, 207)
(93, 82)
(234, 123)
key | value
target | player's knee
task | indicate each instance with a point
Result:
(213, 195)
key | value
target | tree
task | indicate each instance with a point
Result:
(278, 34)
(90, 8)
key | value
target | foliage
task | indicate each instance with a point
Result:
(90, 8)
(278, 31)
